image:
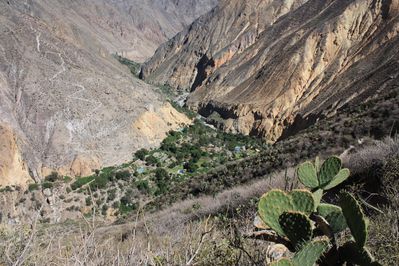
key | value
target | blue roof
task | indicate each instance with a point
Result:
(141, 170)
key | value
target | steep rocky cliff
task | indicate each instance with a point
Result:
(65, 103)
(269, 68)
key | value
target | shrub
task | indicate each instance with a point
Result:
(151, 160)
(33, 187)
(141, 154)
(143, 185)
(161, 174)
(88, 201)
(47, 185)
(111, 195)
(52, 177)
(123, 175)
(104, 209)
(162, 187)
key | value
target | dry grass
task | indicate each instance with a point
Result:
(202, 231)
(384, 233)
(376, 154)
(182, 234)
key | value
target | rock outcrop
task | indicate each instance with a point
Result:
(12, 168)
(263, 67)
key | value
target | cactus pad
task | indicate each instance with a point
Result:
(303, 200)
(307, 174)
(276, 202)
(271, 206)
(310, 253)
(354, 217)
(334, 216)
(297, 227)
(329, 169)
(342, 175)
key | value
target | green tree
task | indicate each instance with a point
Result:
(141, 154)
(161, 174)
(151, 160)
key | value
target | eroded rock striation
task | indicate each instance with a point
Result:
(268, 68)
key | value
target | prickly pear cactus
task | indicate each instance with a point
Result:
(334, 216)
(310, 253)
(276, 202)
(297, 227)
(307, 174)
(355, 218)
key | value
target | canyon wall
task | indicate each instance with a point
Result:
(261, 67)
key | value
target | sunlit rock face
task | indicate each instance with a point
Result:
(265, 67)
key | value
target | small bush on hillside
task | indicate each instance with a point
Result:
(141, 154)
(151, 160)
(111, 195)
(123, 175)
(53, 177)
(161, 174)
(88, 201)
(33, 187)
(143, 186)
(47, 185)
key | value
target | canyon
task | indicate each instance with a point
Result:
(66, 104)
(271, 68)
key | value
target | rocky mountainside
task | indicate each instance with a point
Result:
(65, 103)
(270, 68)
(133, 28)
